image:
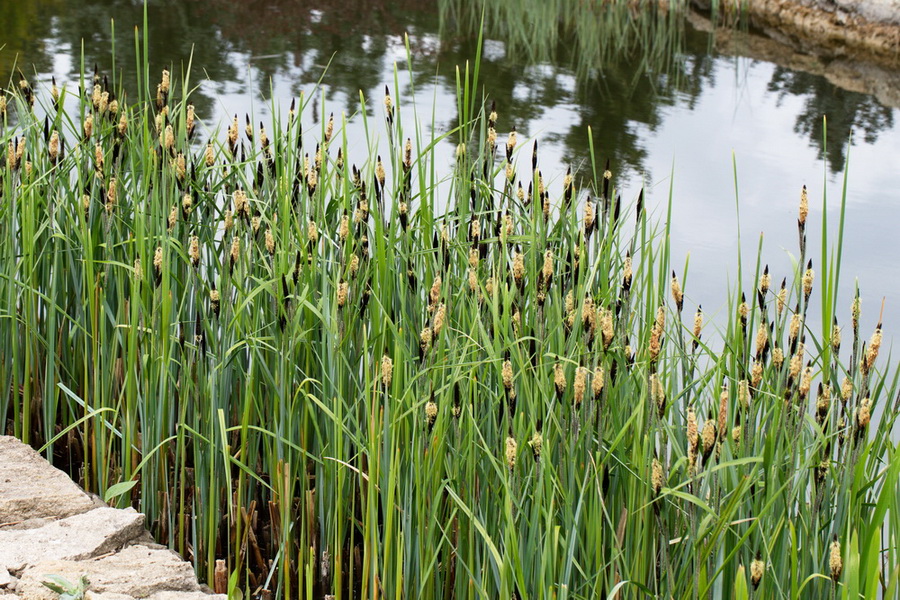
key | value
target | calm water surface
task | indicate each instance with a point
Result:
(686, 130)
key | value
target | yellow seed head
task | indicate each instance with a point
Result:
(757, 569)
(473, 279)
(796, 322)
(518, 268)
(693, 438)
(536, 443)
(547, 270)
(255, 223)
(698, 323)
(387, 370)
(507, 374)
(169, 141)
(95, 95)
(138, 271)
(588, 215)
(796, 363)
(626, 271)
(559, 378)
(765, 281)
(235, 249)
(782, 300)
(834, 560)
(431, 411)
(122, 127)
(874, 347)
(54, 146)
(312, 232)
(342, 292)
(440, 315)
(744, 392)
(187, 204)
(425, 338)
(805, 382)
(435, 294)
(158, 259)
(677, 294)
(736, 434)
(846, 388)
(165, 83)
(808, 278)
(855, 309)
(580, 384)
(777, 357)
(863, 413)
(511, 453)
(111, 194)
(597, 381)
(270, 241)
(657, 394)
(474, 229)
(229, 221)
(489, 286)
(209, 156)
(606, 327)
(194, 251)
(88, 125)
(354, 265)
(835, 338)
(762, 337)
(756, 373)
(708, 436)
(344, 228)
(804, 206)
(656, 476)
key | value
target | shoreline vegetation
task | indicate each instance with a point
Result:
(316, 382)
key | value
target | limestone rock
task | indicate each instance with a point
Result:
(157, 596)
(31, 488)
(78, 537)
(136, 571)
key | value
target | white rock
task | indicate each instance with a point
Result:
(136, 571)
(32, 488)
(78, 537)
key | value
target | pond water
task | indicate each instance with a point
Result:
(686, 127)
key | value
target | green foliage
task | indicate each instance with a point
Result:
(387, 380)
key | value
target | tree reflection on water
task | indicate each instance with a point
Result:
(617, 71)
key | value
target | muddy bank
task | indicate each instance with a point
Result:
(878, 79)
(859, 30)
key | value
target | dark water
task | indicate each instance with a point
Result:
(682, 128)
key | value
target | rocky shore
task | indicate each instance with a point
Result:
(50, 527)
(866, 30)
